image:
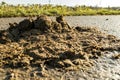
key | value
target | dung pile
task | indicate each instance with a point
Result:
(43, 42)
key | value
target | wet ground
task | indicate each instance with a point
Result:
(105, 67)
(109, 24)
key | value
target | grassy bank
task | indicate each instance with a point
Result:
(33, 10)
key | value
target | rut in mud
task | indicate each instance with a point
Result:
(54, 44)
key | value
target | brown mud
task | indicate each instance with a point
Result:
(48, 44)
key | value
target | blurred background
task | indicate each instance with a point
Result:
(25, 8)
(100, 3)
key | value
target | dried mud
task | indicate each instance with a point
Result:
(45, 44)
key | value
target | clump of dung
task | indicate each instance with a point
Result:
(53, 44)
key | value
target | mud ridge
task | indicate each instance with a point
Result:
(51, 44)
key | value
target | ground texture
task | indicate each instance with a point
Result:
(44, 49)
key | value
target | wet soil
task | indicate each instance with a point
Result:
(44, 49)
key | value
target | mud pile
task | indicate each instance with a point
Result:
(54, 44)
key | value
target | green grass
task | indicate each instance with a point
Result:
(50, 10)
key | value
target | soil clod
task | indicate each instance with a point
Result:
(53, 44)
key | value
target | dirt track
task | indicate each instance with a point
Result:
(104, 68)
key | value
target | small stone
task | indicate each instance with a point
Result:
(68, 63)
(117, 56)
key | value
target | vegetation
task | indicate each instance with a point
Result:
(51, 10)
